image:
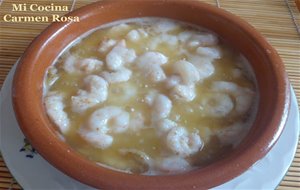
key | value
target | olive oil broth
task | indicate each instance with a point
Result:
(189, 114)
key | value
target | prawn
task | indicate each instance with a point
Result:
(150, 64)
(136, 35)
(55, 109)
(180, 142)
(119, 56)
(96, 92)
(122, 75)
(243, 96)
(73, 64)
(172, 164)
(102, 123)
(217, 105)
(187, 71)
(161, 106)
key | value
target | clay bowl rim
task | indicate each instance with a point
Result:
(32, 118)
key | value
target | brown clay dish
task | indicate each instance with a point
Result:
(267, 65)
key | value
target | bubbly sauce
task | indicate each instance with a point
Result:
(221, 121)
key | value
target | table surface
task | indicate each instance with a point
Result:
(277, 20)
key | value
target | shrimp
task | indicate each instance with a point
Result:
(217, 105)
(243, 96)
(178, 90)
(119, 28)
(197, 40)
(203, 65)
(106, 45)
(163, 126)
(161, 107)
(170, 40)
(188, 72)
(164, 26)
(102, 123)
(183, 92)
(55, 109)
(109, 119)
(150, 64)
(98, 140)
(73, 64)
(136, 35)
(151, 57)
(119, 56)
(210, 52)
(172, 164)
(96, 92)
(154, 72)
(121, 75)
(184, 36)
(180, 142)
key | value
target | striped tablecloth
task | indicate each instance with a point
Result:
(277, 20)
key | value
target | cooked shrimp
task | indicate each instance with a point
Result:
(151, 57)
(202, 40)
(161, 107)
(183, 92)
(210, 52)
(187, 71)
(172, 164)
(163, 126)
(217, 105)
(204, 66)
(149, 63)
(195, 39)
(119, 28)
(69, 63)
(121, 75)
(178, 90)
(106, 45)
(243, 96)
(119, 56)
(182, 143)
(136, 35)
(96, 90)
(185, 35)
(164, 26)
(95, 138)
(102, 123)
(73, 64)
(109, 119)
(55, 108)
(154, 72)
(170, 40)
